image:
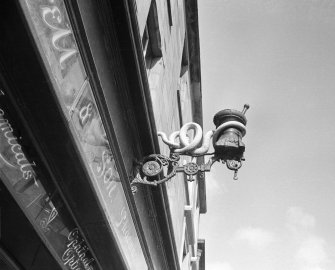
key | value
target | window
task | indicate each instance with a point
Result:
(185, 249)
(181, 122)
(151, 40)
(169, 12)
(184, 59)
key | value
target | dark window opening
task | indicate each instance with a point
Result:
(181, 122)
(151, 40)
(169, 12)
(184, 59)
(145, 40)
(185, 249)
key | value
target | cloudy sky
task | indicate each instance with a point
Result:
(278, 56)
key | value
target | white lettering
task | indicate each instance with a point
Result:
(74, 234)
(108, 175)
(85, 113)
(105, 170)
(75, 252)
(124, 224)
(54, 14)
(16, 148)
(53, 213)
(5, 121)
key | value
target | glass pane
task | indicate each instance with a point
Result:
(54, 37)
(56, 42)
(41, 203)
(99, 160)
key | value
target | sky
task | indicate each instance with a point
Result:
(278, 56)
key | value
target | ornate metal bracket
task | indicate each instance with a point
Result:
(227, 141)
(153, 166)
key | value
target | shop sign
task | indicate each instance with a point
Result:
(100, 162)
(15, 165)
(75, 254)
(55, 39)
(43, 208)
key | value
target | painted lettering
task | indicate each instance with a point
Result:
(6, 161)
(85, 113)
(45, 222)
(74, 234)
(16, 149)
(123, 216)
(123, 225)
(75, 255)
(14, 145)
(111, 187)
(108, 175)
(4, 121)
(52, 15)
(106, 171)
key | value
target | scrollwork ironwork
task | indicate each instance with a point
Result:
(191, 168)
(152, 166)
(227, 143)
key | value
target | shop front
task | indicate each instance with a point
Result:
(67, 143)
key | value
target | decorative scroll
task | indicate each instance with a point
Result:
(52, 213)
(192, 148)
(152, 166)
(184, 146)
(149, 171)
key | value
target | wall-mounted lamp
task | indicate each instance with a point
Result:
(227, 143)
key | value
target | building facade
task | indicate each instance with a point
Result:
(85, 86)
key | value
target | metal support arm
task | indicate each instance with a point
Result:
(227, 142)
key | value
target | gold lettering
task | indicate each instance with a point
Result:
(14, 145)
(75, 252)
(74, 264)
(16, 148)
(68, 256)
(111, 187)
(123, 215)
(5, 121)
(82, 251)
(74, 234)
(20, 157)
(108, 175)
(6, 161)
(28, 174)
(60, 33)
(85, 114)
(28, 164)
(73, 242)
